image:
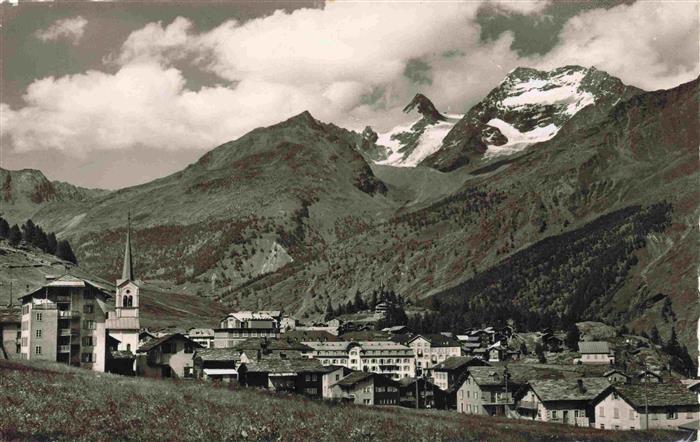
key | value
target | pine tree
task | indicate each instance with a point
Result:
(29, 231)
(65, 252)
(329, 312)
(373, 300)
(4, 228)
(15, 235)
(51, 243)
(572, 337)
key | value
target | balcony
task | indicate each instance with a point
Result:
(64, 348)
(68, 314)
(527, 405)
(497, 400)
(45, 306)
(65, 332)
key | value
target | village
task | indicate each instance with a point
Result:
(540, 376)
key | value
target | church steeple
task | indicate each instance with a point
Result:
(128, 269)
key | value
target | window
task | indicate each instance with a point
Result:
(25, 309)
(167, 348)
(671, 414)
(89, 325)
(314, 377)
(38, 334)
(88, 308)
(616, 413)
(86, 357)
(87, 341)
(24, 342)
(37, 350)
(601, 411)
(39, 316)
(602, 426)
(307, 378)
(311, 391)
(554, 414)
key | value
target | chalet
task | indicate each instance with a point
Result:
(332, 374)
(383, 357)
(430, 396)
(566, 401)
(430, 349)
(243, 325)
(217, 364)
(486, 391)
(397, 330)
(648, 376)
(552, 343)
(499, 352)
(448, 372)
(616, 376)
(202, 336)
(170, 356)
(302, 376)
(10, 334)
(650, 406)
(119, 361)
(595, 352)
(367, 388)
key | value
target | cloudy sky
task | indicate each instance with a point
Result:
(116, 94)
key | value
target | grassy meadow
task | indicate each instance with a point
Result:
(40, 401)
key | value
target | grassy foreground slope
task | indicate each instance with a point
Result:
(49, 401)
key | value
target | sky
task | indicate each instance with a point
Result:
(114, 94)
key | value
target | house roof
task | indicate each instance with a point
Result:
(73, 280)
(456, 362)
(201, 332)
(615, 370)
(10, 316)
(270, 344)
(153, 343)
(551, 390)
(310, 335)
(218, 354)
(249, 315)
(354, 378)
(365, 345)
(121, 354)
(594, 347)
(285, 366)
(435, 339)
(484, 376)
(658, 395)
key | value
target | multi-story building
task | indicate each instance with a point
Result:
(170, 356)
(430, 349)
(640, 407)
(64, 321)
(487, 391)
(367, 388)
(243, 325)
(448, 372)
(384, 357)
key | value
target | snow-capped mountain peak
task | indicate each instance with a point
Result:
(408, 145)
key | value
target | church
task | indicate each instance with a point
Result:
(70, 319)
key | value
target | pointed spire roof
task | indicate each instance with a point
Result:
(128, 269)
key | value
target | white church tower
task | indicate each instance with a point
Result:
(123, 324)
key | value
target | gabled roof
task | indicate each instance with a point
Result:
(435, 339)
(285, 366)
(153, 343)
(658, 395)
(310, 335)
(247, 315)
(121, 354)
(552, 390)
(615, 370)
(70, 279)
(484, 376)
(457, 362)
(270, 344)
(593, 347)
(218, 354)
(354, 378)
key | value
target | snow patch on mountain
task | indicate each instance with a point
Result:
(563, 89)
(429, 142)
(517, 141)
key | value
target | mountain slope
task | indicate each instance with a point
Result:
(528, 107)
(25, 192)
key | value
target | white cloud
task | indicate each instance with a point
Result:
(71, 29)
(327, 61)
(523, 7)
(651, 45)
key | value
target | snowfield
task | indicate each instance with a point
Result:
(517, 141)
(559, 90)
(429, 142)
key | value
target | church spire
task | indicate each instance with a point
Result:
(128, 270)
